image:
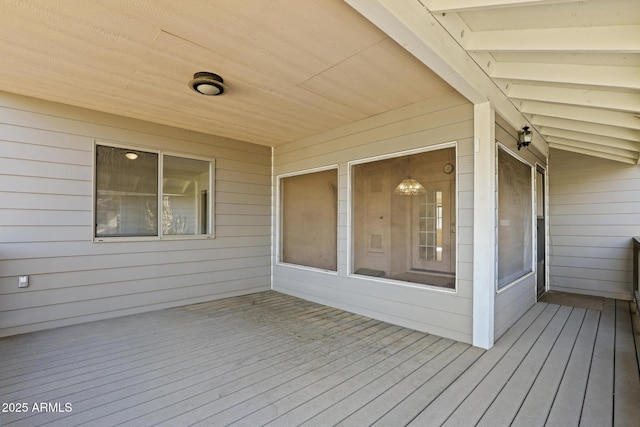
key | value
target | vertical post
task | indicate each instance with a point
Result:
(484, 225)
(636, 274)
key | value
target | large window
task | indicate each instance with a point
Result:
(515, 212)
(404, 218)
(129, 202)
(309, 219)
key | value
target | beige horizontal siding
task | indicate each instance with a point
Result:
(514, 300)
(46, 188)
(594, 212)
(436, 121)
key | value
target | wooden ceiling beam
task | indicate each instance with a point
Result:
(591, 75)
(616, 39)
(583, 114)
(590, 138)
(594, 128)
(592, 153)
(621, 101)
(630, 154)
(463, 5)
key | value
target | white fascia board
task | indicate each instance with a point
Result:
(413, 27)
(621, 101)
(619, 39)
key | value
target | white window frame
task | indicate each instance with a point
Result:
(161, 153)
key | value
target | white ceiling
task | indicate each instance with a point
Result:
(293, 68)
(296, 68)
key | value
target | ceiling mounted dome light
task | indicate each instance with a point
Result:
(206, 83)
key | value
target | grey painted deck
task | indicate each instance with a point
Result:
(269, 358)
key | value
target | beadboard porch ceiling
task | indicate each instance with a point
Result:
(570, 69)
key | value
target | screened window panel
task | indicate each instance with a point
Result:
(185, 189)
(406, 237)
(515, 212)
(309, 219)
(126, 193)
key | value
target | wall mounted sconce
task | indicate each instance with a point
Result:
(524, 137)
(131, 155)
(208, 84)
(409, 187)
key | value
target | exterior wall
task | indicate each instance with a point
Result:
(46, 187)
(594, 209)
(515, 299)
(440, 120)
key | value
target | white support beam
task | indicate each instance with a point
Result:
(620, 39)
(412, 26)
(583, 114)
(622, 144)
(612, 151)
(592, 153)
(462, 5)
(484, 225)
(594, 128)
(591, 75)
(621, 101)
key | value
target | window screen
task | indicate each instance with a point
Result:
(404, 216)
(515, 213)
(309, 219)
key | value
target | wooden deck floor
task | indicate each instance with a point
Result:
(273, 359)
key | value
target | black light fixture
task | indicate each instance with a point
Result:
(206, 83)
(524, 137)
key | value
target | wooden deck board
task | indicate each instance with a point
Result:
(419, 398)
(626, 402)
(474, 406)
(272, 359)
(361, 397)
(169, 350)
(537, 403)
(567, 405)
(238, 370)
(419, 383)
(506, 405)
(597, 408)
(290, 373)
(282, 399)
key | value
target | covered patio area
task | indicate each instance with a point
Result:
(273, 359)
